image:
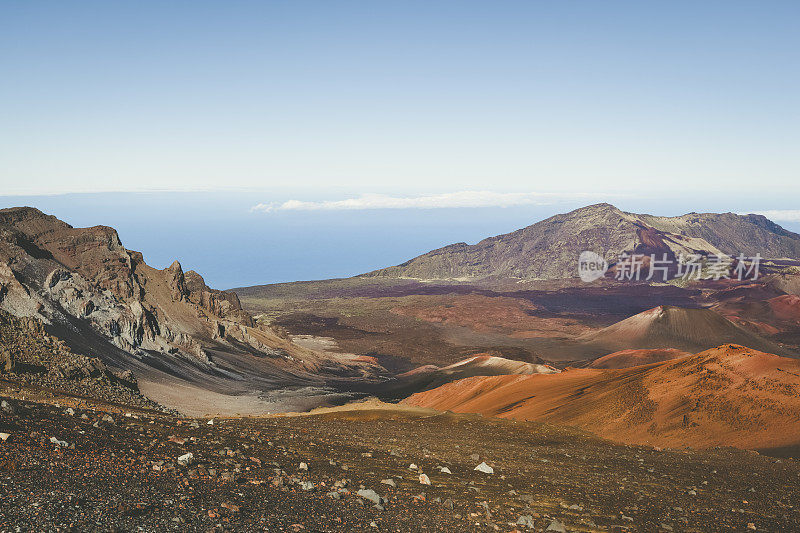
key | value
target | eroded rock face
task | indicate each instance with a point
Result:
(102, 298)
(28, 354)
(14, 296)
(26, 347)
(7, 360)
(129, 325)
(51, 271)
(224, 304)
(176, 282)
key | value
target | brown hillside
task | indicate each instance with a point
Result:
(630, 358)
(549, 249)
(726, 396)
(689, 330)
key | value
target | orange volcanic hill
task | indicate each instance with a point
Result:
(629, 358)
(478, 365)
(689, 330)
(725, 396)
(431, 376)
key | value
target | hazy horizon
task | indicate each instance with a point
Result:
(221, 237)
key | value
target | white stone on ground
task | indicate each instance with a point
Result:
(486, 469)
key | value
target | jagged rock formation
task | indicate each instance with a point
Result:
(224, 304)
(549, 249)
(28, 354)
(57, 274)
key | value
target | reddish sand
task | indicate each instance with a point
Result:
(725, 396)
(629, 358)
(431, 376)
(509, 316)
(786, 307)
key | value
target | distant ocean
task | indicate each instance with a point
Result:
(219, 236)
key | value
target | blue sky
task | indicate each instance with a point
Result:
(536, 106)
(378, 96)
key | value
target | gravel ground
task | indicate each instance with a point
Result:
(71, 465)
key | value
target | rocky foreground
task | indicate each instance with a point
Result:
(71, 464)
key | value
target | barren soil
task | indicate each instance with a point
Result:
(725, 396)
(121, 473)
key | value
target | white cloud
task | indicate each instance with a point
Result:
(434, 201)
(782, 215)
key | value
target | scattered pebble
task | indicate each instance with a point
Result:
(525, 521)
(61, 443)
(556, 527)
(186, 459)
(486, 469)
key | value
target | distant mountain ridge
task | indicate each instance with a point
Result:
(549, 249)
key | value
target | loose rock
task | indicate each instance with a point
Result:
(369, 494)
(486, 469)
(186, 459)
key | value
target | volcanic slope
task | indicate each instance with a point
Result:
(726, 396)
(115, 468)
(549, 249)
(630, 358)
(431, 376)
(688, 330)
(183, 340)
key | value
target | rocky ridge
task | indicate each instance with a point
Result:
(30, 357)
(549, 249)
(102, 299)
(49, 269)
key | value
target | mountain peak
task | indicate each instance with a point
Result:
(25, 214)
(175, 266)
(602, 206)
(549, 249)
